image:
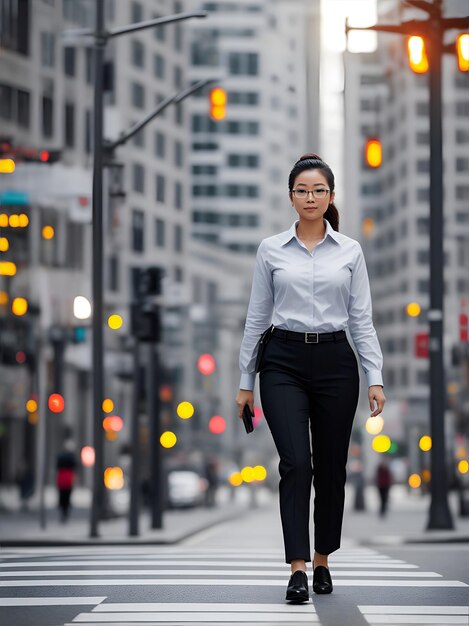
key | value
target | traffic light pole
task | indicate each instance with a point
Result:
(156, 468)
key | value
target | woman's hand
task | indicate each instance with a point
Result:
(376, 394)
(245, 396)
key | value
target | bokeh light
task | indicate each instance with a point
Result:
(168, 439)
(4, 244)
(31, 405)
(463, 466)
(413, 309)
(425, 443)
(108, 405)
(414, 481)
(87, 456)
(23, 220)
(381, 443)
(185, 410)
(235, 479)
(4, 299)
(217, 424)
(260, 472)
(113, 478)
(56, 403)
(81, 308)
(206, 364)
(166, 393)
(19, 306)
(113, 423)
(374, 425)
(247, 474)
(115, 321)
(48, 232)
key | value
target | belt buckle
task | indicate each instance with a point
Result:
(316, 340)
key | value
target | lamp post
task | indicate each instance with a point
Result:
(432, 31)
(101, 36)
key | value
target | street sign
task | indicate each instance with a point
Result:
(421, 345)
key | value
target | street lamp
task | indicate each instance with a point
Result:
(426, 38)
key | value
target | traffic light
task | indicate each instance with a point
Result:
(218, 100)
(373, 152)
(149, 281)
(462, 51)
(145, 322)
(11, 154)
(418, 60)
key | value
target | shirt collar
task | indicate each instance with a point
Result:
(291, 233)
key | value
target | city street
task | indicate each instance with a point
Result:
(234, 573)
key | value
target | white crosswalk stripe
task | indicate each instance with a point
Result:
(122, 569)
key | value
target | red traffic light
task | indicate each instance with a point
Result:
(56, 403)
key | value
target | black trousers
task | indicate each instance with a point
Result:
(310, 387)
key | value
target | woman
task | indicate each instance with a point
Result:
(311, 282)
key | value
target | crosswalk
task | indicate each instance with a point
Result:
(195, 585)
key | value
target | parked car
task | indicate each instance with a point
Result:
(185, 488)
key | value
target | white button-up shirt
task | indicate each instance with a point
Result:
(320, 291)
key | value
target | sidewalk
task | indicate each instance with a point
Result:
(21, 528)
(405, 522)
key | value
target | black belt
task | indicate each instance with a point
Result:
(308, 337)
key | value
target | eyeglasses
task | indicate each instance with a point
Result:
(319, 193)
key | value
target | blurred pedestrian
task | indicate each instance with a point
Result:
(310, 283)
(383, 483)
(65, 478)
(25, 482)
(211, 476)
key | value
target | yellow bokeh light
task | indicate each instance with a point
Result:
(168, 439)
(4, 244)
(48, 232)
(108, 405)
(113, 478)
(247, 474)
(7, 166)
(110, 435)
(185, 410)
(374, 425)
(19, 306)
(425, 443)
(33, 418)
(7, 268)
(115, 322)
(463, 466)
(381, 443)
(426, 475)
(235, 479)
(3, 220)
(414, 481)
(260, 472)
(417, 54)
(23, 220)
(461, 452)
(31, 406)
(413, 309)
(14, 220)
(4, 299)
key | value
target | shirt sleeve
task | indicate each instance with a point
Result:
(361, 323)
(258, 318)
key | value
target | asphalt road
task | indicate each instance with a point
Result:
(231, 574)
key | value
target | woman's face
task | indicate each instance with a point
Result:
(310, 207)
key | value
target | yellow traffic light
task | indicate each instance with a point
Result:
(19, 306)
(7, 166)
(462, 51)
(373, 152)
(218, 100)
(418, 60)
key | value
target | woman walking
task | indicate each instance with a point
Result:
(310, 283)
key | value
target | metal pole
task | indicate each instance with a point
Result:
(439, 514)
(98, 443)
(42, 434)
(156, 470)
(135, 439)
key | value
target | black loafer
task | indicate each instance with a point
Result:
(322, 581)
(297, 590)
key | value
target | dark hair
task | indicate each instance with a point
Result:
(312, 162)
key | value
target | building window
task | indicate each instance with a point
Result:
(48, 49)
(23, 108)
(69, 61)
(160, 145)
(462, 136)
(179, 114)
(178, 195)
(14, 25)
(177, 77)
(423, 225)
(178, 238)
(138, 178)
(462, 164)
(423, 166)
(160, 188)
(421, 109)
(423, 286)
(136, 14)
(159, 31)
(177, 37)
(178, 154)
(137, 53)
(423, 194)
(178, 274)
(462, 109)
(159, 66)
(243, 63)
(422, 377)
(423, 138)
(138, 95)
(113, 273)
(138, 229)
(89, 65)
(462, 192)
(47, 116)
(160, 233)
(69, 125)
(138, 139)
